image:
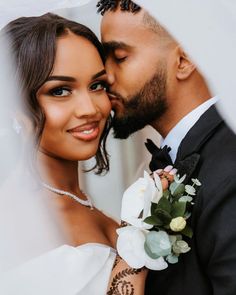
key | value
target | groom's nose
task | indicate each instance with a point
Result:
(110, 73)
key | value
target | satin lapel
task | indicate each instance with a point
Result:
(188, 154)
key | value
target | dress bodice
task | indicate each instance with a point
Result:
(66, 270)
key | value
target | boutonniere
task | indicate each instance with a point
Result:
(156, 210)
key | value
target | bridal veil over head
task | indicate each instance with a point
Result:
(206, 30)
(28, 226)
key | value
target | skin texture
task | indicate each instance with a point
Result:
(134, 53)
(79, 99)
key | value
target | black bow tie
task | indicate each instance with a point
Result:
(160, 156)
(161, 159)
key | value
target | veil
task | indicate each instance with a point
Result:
(205, 28)
(13, 9)
(29, 226)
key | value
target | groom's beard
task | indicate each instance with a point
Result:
(146, 106)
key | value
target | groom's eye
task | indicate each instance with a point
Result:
(120, 55)
(120, 60)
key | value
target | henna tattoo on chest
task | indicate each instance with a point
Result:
(120, 284)
(118, 259)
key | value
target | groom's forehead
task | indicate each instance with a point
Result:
(122, 21)
(122, 29)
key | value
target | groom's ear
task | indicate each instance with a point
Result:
(185, 66)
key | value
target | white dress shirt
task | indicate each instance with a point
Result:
(177, 134)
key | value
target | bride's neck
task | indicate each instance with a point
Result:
(60, 173)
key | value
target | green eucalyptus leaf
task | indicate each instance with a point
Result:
(177, 189)
(164, 204)
(166, 194)
(178, 179)
(185, 199)
(172, 259)
(153, 208)
(153, 220)
(164, 216)
(187, 214)
(187, 231)
(157, 244)
(178, 209)
(149, 252)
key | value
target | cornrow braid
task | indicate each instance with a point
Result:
(126, 5)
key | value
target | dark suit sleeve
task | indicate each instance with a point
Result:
(216, 236)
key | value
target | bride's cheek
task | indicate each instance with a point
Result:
(56, 116)
(104, 105)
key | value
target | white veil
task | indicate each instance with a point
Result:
(13, 9)
(205, 28)
(27, 228)
(28, 225)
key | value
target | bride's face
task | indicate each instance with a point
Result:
(74, 101)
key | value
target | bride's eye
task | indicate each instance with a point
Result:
(98, 86)
(60, 92)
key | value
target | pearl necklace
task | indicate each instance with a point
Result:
(86, 203)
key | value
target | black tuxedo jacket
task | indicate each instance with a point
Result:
(210, 267)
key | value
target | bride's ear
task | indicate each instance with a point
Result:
(185, 67)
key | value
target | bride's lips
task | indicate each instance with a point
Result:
(86, 132)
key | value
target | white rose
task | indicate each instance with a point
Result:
(177, 224)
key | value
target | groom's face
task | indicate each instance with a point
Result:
(137, 64)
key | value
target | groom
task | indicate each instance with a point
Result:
(153, 82)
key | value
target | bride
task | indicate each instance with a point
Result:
(61, 68)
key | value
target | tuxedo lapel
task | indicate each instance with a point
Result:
(187, 165)
(188, 155)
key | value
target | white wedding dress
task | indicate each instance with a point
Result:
(66, 270)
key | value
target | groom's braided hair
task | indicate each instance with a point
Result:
(130, 6)
(126, 5)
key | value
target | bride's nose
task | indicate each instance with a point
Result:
(85, 105)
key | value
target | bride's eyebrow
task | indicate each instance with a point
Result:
(61, 78)
(72, 79)
(97, 75)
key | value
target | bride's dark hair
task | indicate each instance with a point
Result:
(33, 42)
